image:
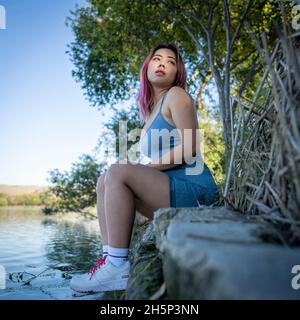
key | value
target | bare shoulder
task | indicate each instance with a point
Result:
(178, 96)
(181, 108)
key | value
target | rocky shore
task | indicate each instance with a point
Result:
(211, 253)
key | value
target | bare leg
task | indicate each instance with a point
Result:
(123, 189)
(100, 190)
(124, 184)
(120, 210)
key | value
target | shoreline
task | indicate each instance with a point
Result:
(90, 211)
(21, 207)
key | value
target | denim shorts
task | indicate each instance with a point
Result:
(191, 190)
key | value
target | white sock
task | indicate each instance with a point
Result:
(117, 256)
(105, 250)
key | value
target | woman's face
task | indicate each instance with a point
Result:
(163, 60)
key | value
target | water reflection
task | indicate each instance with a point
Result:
(52, 247)
(72, 244)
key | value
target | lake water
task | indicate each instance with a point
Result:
(40, 253)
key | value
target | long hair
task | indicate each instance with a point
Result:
(145, 96)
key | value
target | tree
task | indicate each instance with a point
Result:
(76, 189)
(112, 38)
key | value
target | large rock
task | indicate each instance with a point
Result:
(214, 253)
(146, 275)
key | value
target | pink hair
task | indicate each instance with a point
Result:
(145, 95)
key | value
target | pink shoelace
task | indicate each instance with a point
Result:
(100, 262)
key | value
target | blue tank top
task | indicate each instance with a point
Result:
(160, 137)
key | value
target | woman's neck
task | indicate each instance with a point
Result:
(158, 94)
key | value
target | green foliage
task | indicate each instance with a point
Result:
(30, 199)
(76, 189)
(112, 38)
(47, 198)
(214, 149)
(3, 201)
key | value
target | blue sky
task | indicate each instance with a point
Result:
(45, 121)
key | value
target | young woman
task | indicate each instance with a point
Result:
(171, 179)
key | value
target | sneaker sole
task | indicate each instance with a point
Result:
(108, 286)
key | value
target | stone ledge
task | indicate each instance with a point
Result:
(215, 253)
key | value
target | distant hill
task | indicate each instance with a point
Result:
(20, 189)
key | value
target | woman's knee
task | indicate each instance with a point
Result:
(115, 173)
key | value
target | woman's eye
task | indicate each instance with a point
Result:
(156, 58)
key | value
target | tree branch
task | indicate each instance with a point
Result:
(241, 22)
(192, 35)
(182, 14)
(233, 66)
(211, 13)
(227, 26)
(252, 72)
(207, 78)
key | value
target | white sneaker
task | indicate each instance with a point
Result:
(103, 277)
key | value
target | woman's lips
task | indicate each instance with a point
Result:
(160, 73)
